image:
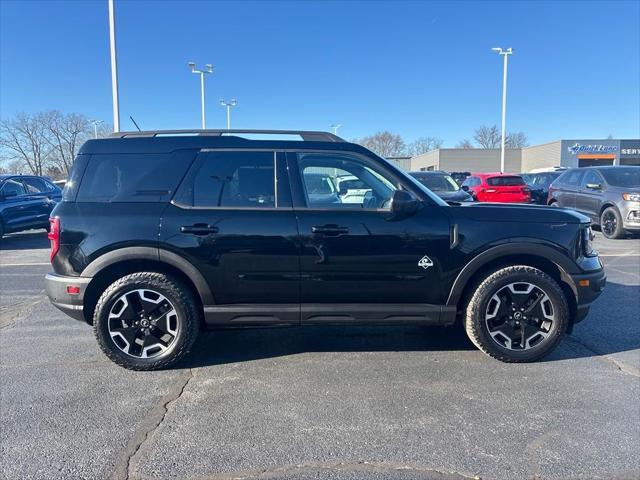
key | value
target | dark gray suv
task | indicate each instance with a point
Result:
(610, 196)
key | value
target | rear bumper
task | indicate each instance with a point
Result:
(589, 286)
(71, 304)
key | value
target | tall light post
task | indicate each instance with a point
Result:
(114, 67)
(95, 127)
(335, 127)
(230, 104)
(208, 69)
(505, 55)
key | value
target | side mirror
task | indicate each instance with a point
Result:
(465, 188)
(594, 186)
(403, 205)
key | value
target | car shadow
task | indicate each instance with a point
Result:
(603, 332)
(31, 240)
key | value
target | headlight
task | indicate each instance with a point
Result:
(631, 197)
(587, 241)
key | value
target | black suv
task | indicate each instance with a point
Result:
(160, 234)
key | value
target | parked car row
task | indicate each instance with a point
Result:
(26, 202)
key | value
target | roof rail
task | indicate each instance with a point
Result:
(309, 136)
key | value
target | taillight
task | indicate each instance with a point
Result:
(526, 190)
(54, 236)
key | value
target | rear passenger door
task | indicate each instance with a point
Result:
(40, 201)
(232, 219)
(568, 188)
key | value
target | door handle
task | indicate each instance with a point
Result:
(328, 230)
(199, 229)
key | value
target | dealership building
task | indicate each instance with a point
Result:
(561, 153)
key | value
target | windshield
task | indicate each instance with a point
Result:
(622, 177)
(505, 181)
(439, 183)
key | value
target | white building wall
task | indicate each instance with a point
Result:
(542, 156)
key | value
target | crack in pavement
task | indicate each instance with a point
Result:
(629, 370)
(124, 466)
(355, 467)
(19, 311)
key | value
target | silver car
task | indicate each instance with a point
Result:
(609, 195)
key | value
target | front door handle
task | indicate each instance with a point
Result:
(199, 229)
(330, 230)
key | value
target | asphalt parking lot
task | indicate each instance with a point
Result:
(343, 402)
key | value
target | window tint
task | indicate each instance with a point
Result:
(132, 177)
(505, 181)
(35, 185)
(628, 177)
(591, 177)
(12, 188)
(572, 177)
(230, 179)
(357, 184)
(70, 189)
(472, 182)
(439, 183)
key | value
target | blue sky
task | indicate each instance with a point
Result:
(414, 68)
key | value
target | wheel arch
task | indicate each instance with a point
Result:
(107, 268)
(604, 207)
(542, 257)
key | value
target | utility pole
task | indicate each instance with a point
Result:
(208, 69)
(95, 127)
(335, 127)
(230, 104)
(505, 55)
(114, 68)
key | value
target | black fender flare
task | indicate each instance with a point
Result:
(157, 255)
(564, 264)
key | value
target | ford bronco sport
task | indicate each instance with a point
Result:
(160, 234)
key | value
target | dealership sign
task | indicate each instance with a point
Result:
(579, 148)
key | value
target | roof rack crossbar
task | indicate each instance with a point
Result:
(311, 136)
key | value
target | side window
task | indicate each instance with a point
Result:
(13, 188)
(572, 177)
(230, 179)
(347, 182)
(35, 185)
(133, 177)
(591, 177)
(471, 182)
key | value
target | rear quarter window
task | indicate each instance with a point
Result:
(133, 177)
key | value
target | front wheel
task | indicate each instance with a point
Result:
(517, 314)
(611, 223)
(146, 321)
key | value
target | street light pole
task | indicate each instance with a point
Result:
(208, 69)
(230, 104)
(114, 68)
(95, 127)
(335, 127)
(505, 55)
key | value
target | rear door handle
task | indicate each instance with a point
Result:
(333, 230)
(199, 229)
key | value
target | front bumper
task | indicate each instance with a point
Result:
(71, 304)
(589, 286)
(630, 213)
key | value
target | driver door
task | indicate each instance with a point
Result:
(353, 257)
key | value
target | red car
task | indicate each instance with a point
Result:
(497, 187)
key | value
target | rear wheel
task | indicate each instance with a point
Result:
(611, 223)
(146, 321)
(517, 314)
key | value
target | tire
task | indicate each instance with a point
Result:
(491, 302)
(611, 223)
(152, 308)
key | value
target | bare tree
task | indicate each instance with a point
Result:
(423, 145)
(25, 138)
(487, 137)
(66, 134)
(465, 143)
(385, 144)
(516, 140)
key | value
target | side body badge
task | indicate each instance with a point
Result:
(425, 262)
